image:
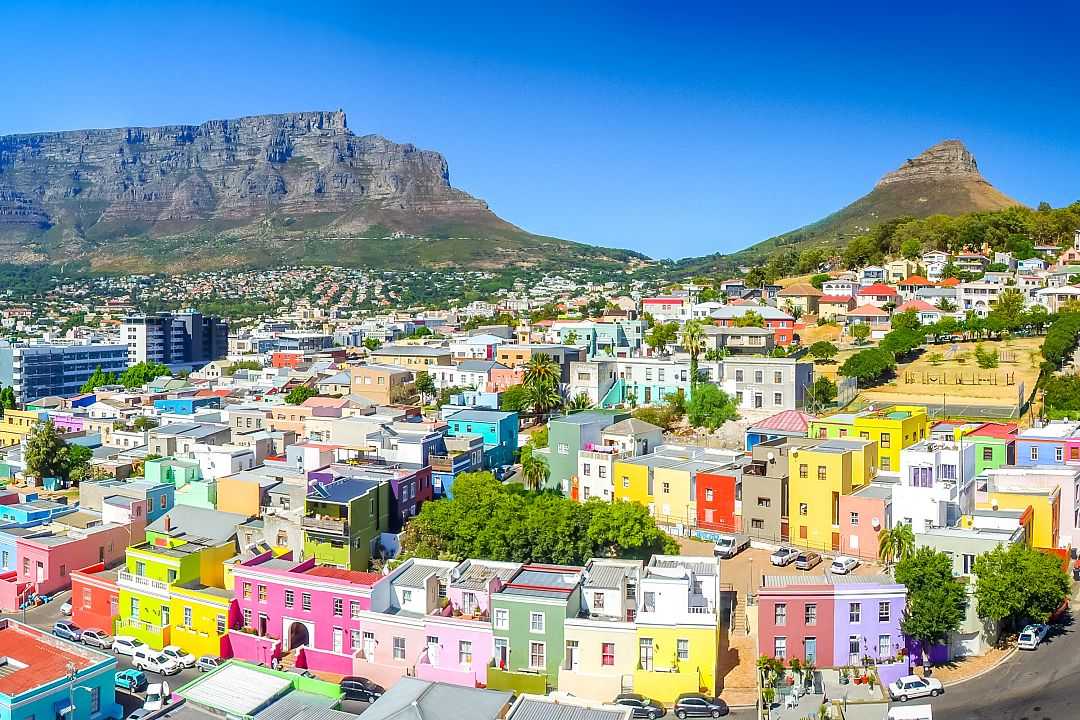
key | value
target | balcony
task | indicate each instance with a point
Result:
(140, 583)
(325, 526)
(442, 463)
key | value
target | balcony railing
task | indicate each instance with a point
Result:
(139, 625)
(326, 526)
(140, 582)
(442, 463)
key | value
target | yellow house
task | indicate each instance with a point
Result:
(200, 616)
(664, 481)
(16, 425)
(818, 475)
(1039, 512)
(633, 480)
(893, 428)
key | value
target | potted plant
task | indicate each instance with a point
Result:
(768, 695)
(808, 673)
(844, 675)
(871, 679)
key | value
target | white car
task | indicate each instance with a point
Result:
(181, 656)
(65, 609)
(127, 645)
(913, 686)
(728, 546)
(843, 565)
(1031, 636)
(158, 695)
(150, 660)
(784, 556)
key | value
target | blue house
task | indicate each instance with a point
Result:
(498, 429)
(33, 511)
(36, 684)
(186, 405)
(1045, 445)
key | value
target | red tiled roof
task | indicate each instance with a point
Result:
(997, 430)
(45, 662)
(915, 280)
(353, 576)
(827, 299)
(877, 289)
(213, 393)
(949, 282)
(868, 311)
(787, 421)
(917, 306)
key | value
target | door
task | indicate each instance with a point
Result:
(836, 541)
(40, 572)
(164, 615)
(502, 650)
(433, 649)
(648, 395)
(811, 651)
(369, 646)
(758, 401)
(645, 654)
(339, 640)
(572, 655)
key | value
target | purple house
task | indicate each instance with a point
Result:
(834, 621)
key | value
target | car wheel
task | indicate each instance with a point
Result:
(680, 714)
(716, 713)
(653, 715)
(935, 692)
(903, 698)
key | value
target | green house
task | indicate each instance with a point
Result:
(344, 519)
(995, 445)
(528, 617)
(569, 434)
(186, 476)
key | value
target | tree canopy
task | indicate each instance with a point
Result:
(97, 379)
(869, 365)
(936, 601)
(141, 373)
(299, 394)
(823, 350)
(710, 407)
(1019, 583)
(489, 520)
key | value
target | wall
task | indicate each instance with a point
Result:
(869, 628)
(795, 630)
(719, 513)
(446, 666)
(591, 679)
(861, 539)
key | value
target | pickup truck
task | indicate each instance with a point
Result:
(728, 546)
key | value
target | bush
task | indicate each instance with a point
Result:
(986, 358)
(868, 365)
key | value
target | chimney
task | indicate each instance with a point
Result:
(168, 524)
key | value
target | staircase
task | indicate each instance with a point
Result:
(738, 619)
(288, 660)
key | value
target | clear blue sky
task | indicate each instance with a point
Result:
(671, 131)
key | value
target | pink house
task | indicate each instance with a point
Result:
(458, 642)
(47, 559)
(862, 515)
(501, 378)
(296, 607)
(68, 423)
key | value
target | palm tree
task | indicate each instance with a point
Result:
(896, 545)
(542, 370)
(580, 401)
(534, 469)
(692, 337)
(543, 398)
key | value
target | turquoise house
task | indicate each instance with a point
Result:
(498, 429)
(186, 405)
(186, 478)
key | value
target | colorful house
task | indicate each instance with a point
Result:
(892, 428)
(498, 429)
(567, 435)
(1045, 445)
(343, 519)
(95, 600)
(789, 423)
(834, 621)
(528, 623)
(995, 446)
(819, 475)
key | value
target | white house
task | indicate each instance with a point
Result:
(936, 484)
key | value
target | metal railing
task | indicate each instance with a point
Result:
(140, 581)
(325, 525)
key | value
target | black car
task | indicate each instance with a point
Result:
(358, 688)
(698, 705)
(642, 707)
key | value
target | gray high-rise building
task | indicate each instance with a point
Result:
(184, 338)
(36, 369)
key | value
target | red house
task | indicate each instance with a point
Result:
(715, 498)
(94, 598)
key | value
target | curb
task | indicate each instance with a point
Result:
(993, 667)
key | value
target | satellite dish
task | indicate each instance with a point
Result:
(771, 457)
(876, 523)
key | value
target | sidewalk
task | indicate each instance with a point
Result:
(966, 668)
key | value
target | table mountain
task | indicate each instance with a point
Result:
(260, 190)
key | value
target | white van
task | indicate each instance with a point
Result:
(149, 660)
(911, 712)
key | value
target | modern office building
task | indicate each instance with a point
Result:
(184, 338)
(35, 370)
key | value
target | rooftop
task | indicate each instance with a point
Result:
(780, 581)
(237, 689)
(35, 658)
(341, 490)
(354, 576)
(414, 699)
(548, 581)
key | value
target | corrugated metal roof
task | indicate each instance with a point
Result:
(414, 699)
(530, 709)
(236, 689)
(303, 706)
(609, 577)
(418, 573)
(778, 581)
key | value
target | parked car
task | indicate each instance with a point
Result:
(911, 712)
(67, 630)
(65, 609)
(807, 560)
(1031, 636)
(358, 688)
(132, 680)
(640, 706)
(843, 564)
(728, 546)
(913, 686)
(183, 657)
(149, 660)
(784, 556)
(207, 663)
(96, 638)
(698, 705)
(126, 645)
(158, 696)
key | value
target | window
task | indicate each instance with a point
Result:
(536, 622)
(778, 398)
(290, 598)
(262, 593)
(666, 488)
(247, 617)
(305, 601)
(563, 449)
(855, 612)
(399, 648)
(1034, 452)
(187, 617)
(601, 471)
(247, 590)
(625, 481)
(810, 614)
(883, 611)
(886, 440)
(1058, 454)
(853, 649)
(778, 377)
(757, 524)
(708, 494)
(63, 570)
(780, 614)
(884, 646)
(682, 649)
(948, 472)
(969, 563)
(220, 624)
(738, 376)
(780, 648)
(607, 653)
(354, 639)
(821, 473)
(759, 376)
(802, 509)
(170, 576)
(537, 655)
(501, 618)
(354, 609)
(764, 502)
(854, 519)
(464, 652)
(886, 463)
(988, 453)
(598, 600)
(804, 472)
(339, 607)
(586, 470)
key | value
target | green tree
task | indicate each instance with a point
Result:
(756, 278)
(514, 399)
(425, 385)
(986, 358)
(660, 336)
(1018, 584)
(7, 399)
(299, 394)
(534, 469)
(543, 398)
(1010, 309)
(78, 463)
(97, 379)
(868, 365)
(908, 320)
(710, 407)
(372, 344)
(141, 373)
(144, 423)
(542, 370)
(902, 342)
(46, 452)
(911, 249)
(936, 601)
(823, 350)
(860, 331)
(421, 332)
(751, 318)
(230, 370)
(693, 335)
(820, 279)
(580, 401)
(821, 393)
(897, 544)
